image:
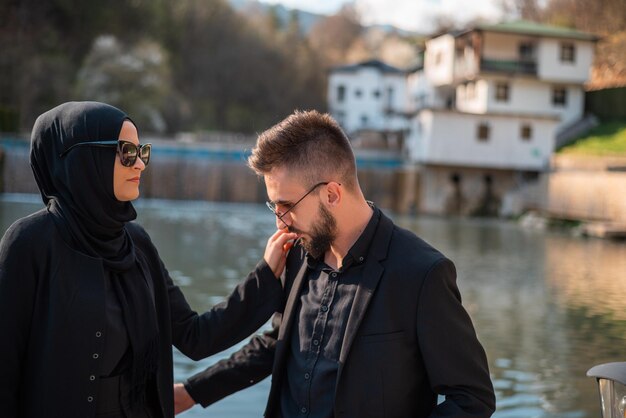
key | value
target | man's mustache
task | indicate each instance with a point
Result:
(294, 230)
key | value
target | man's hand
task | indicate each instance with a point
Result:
(278, 246)
(182, 400)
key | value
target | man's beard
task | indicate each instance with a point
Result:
(322, 234)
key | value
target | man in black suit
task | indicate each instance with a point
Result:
(373, 324)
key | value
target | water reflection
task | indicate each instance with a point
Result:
(546, 306)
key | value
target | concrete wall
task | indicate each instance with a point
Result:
(587, 195)
(586, 188)
(196, 172)
(470, 195)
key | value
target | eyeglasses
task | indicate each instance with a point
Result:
(272, 205)
(127, 151)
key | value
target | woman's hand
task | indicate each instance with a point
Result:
(278, 246)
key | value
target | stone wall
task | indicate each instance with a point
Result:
(585, 188)
(586, 195)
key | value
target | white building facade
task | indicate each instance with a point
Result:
(484, 110)
(368, 96)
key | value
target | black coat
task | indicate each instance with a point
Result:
(52, 316)
(408, 338)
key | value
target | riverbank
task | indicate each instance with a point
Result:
(577, 187)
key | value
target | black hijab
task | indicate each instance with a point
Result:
(78, 192)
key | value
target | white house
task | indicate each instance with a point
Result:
(485, 109)
(368, 96)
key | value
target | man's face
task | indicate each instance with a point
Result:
(310, 219)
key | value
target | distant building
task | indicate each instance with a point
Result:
(369, 96)
(483, 112)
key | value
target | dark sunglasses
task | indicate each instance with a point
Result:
(127, 151)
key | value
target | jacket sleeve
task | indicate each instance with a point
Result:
(244, 368)
(18, 283)
(454, 358)
(248, 307)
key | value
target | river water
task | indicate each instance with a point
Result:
(546, 306)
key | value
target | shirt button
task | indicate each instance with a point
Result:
(307, 376)
(303, 410)
(316, 342)
(98, 334)
(89, 398)
(361, 259)
(95, 355)
(92, 378)
(334, 275)
(324, 308)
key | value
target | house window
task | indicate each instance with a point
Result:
(358, 93)
(364, 120)
(376, 94)
(559, 96)
(526, 51)
(438, 58)
(483, 132)
(390, 97)
(568, 53)
(502, 92)
(341, 93)
(526, 132)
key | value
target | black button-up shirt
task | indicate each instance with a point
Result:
(319, 327)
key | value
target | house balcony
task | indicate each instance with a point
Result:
(508, 66)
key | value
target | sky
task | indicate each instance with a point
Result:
(413, 15)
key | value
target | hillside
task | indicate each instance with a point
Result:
(607, 139)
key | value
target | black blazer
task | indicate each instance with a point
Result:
(408, 338)
(52, 316)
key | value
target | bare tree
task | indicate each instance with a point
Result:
(334, 35)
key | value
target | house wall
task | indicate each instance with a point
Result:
(472, 97)
(526, 96)
(439, 60)
(551, 68)
(421, 92)
(547, 55)
(367, 110)
(450, 138)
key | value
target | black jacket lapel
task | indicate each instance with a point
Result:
(373, 272)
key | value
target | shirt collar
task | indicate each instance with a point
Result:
(358, 252)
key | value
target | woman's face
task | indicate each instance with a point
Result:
(126, 179)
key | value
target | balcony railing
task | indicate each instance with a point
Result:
(508, 66)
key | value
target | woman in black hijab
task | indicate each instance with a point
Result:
(88, 312)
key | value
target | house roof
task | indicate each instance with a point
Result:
(524, 27)
(377, 64)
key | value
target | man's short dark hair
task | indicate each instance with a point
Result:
(311, 145)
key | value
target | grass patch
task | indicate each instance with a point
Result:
(606, 139)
